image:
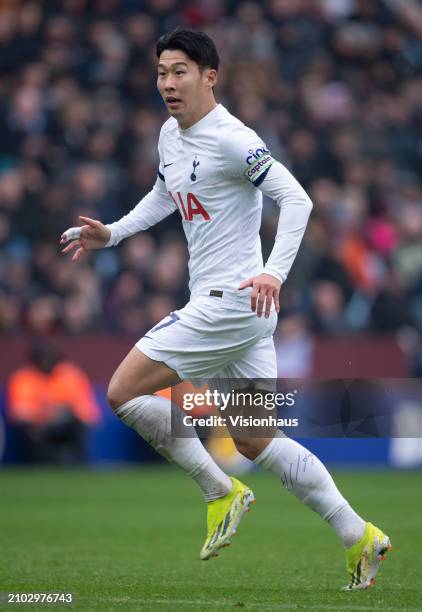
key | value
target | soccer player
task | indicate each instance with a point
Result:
(213, 171)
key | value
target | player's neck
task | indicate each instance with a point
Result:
(199, 114)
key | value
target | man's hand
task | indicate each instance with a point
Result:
(93, 235)
(265, 290)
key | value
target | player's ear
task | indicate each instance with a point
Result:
(211, 77)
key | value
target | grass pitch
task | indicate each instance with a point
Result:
(130, 540)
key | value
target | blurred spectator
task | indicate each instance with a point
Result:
(328, 314)
(294, 347)
(333, 87)
(51, 403)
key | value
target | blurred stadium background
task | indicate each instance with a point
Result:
(334, 87)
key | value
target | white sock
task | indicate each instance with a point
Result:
(150, 417)
(305, 476)
(348, 525)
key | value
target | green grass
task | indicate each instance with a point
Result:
(130, 540)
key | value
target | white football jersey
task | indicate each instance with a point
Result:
(204, 170)
(210, 173)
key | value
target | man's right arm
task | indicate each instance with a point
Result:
(154, 207)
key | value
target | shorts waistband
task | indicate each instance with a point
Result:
(231, 296)
(237, 298)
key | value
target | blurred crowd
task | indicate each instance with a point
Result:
(334, 87)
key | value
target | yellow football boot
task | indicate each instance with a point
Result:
(223, 517)
(364, 558)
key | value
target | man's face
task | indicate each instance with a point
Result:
(183, 86)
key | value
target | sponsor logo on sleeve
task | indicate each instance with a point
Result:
(254, 154)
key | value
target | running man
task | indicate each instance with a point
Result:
(213, 170)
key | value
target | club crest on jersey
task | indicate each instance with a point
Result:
(195, 164)
(190, 208)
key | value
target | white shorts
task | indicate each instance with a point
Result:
(215, 337)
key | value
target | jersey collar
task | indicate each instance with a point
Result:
(204, 122)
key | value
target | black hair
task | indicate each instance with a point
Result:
(198, 46)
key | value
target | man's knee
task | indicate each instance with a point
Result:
(136, 376)
(251, 447)
(248, 447)
(113, 396)
(117, 395)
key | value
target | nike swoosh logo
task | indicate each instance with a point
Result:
(166, 165)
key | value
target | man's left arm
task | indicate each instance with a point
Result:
(295, 207)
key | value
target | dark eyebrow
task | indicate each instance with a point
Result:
(175, 64)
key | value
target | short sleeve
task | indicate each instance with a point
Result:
(245, 155)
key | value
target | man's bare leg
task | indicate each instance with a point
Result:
(138, 375)
(130, 395)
